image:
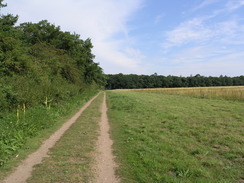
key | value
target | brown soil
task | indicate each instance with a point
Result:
(104, 161)
(23, 171)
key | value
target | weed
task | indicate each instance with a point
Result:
(183, 173)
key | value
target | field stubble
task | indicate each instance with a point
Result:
(223, 92)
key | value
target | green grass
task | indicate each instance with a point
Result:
(171, 138)
(18, 139)
(70, 159)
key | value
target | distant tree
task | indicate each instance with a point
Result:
(2, 5)
(158, 81)
(6, 21)
(42, 31)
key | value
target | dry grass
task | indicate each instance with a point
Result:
(226, 92)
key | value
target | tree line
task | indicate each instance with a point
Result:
(131, 81)
(38, 62)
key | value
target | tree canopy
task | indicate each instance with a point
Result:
(39, 60)
(121, 81)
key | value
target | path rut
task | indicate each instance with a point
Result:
(104, 161)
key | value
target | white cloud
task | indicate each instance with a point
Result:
(213, 53)
(210, 27)
(158, 18)
(134, 53)
(198, 31)
(230, 64)
(230, 32)
(96, 19)
(234, 4)
(206, 45)
(127, 58)
(192, 30)
(199, 54)
(204, 4)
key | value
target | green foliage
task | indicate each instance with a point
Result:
(16, 128)
(131, 81)
(13, 59)
(38, 60)
(40, 32)
(1, 4)
(8, 98)
(7, 22)
(40, 68)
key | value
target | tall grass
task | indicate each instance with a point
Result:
(228, 92)
(16, 127)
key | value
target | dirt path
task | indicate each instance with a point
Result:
(23, 171)
(105, 165)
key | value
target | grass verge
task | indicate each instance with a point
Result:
(70, 159)
(171, 138)
(28, 143)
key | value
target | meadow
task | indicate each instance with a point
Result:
(162, 137)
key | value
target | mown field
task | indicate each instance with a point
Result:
(161, 137)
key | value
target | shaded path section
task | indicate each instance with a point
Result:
(105, 165)
(23, 171)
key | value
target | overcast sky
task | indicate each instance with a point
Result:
(169, 37)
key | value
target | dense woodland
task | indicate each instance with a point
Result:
(121, 81)
(40, 63)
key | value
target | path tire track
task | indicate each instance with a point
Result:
(104, 160)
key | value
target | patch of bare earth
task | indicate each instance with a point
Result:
(104, 161)
(24, 170)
